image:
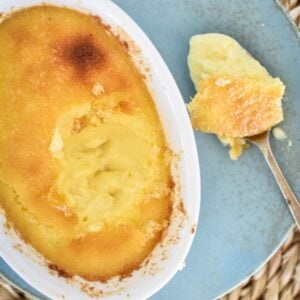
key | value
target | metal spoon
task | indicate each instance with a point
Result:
(263, 143)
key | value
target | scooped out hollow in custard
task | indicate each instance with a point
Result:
(84, 165)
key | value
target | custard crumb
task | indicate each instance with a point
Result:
(57, 141)
(222, 82)
(98, 89)
(279, 134)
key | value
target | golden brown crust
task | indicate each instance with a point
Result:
(63, 76)
(236, 107)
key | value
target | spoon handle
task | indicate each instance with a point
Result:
(285, 188)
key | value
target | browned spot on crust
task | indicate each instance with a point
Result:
(82, 54)
(125, 44)
(18, 247)
(124, 276)
(193, 230)
(171, 184)
(181, 208)
(91, 290)
(147, 261)
(79, 124)
(60, 272)
(126, 107)
(7, 226)
(100, 22)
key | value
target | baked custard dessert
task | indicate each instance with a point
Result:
(84, 164)
(236, 96)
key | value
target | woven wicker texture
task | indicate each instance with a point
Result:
(279, 279)
(293, 6)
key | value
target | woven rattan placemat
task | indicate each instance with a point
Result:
(279, 279)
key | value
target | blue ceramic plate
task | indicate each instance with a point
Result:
(243, 216)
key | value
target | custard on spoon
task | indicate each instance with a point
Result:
(236, 96)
